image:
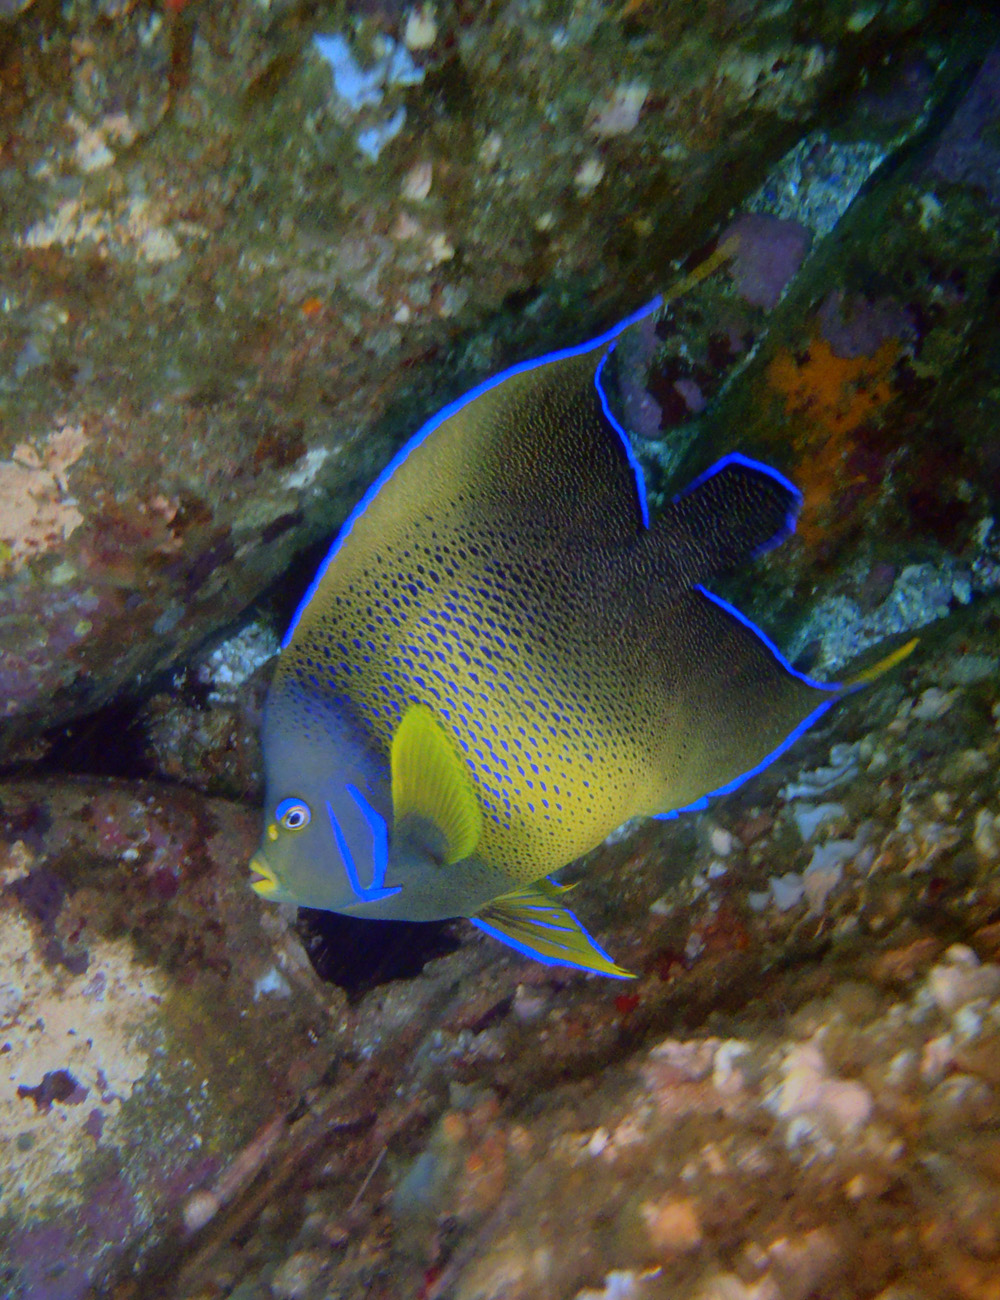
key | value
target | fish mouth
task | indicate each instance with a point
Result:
(263, 881)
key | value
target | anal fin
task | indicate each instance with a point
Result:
(533, 921)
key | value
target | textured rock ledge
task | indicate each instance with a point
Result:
(242, 265)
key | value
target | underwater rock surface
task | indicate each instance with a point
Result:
(240, 265)
(147, 1007)
(248, 247)
(797, 1096)
(857, 358)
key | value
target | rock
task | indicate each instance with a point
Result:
(810, 817)
(672, 1224)
(804, 1265)
(826, 394)
(137, 1060)
(787, 1094)
(986, 835)
(621, 1284)
(296, 1276)
(787, 890)
(960, 979)
(219, 327)
(837, 1107)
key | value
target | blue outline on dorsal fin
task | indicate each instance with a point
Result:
(445, 413)
(833, 690)
(738, 458)
(626, 441)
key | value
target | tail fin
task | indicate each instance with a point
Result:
(868, 675)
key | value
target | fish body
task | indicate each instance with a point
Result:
(501, 660)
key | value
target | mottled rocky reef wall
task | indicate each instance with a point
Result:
(248, 247)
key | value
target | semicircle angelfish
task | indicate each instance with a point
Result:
(502, 659)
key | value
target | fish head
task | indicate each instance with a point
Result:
(326, 833)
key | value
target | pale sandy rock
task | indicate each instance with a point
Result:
(37, 511)
(986, 835)
(839, 1107)
(94, 1029)
(619, 114)
(960, 980)
(295, 1277)
(672, 1224)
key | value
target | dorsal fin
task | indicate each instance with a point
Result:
(430, 779)
(734, 511)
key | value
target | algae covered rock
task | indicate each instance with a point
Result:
(796, 1096)
(853, 348)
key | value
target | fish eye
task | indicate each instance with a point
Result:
(292, 814)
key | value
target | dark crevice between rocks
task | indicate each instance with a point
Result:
(108, 743)
(113, 741)
(359, 955)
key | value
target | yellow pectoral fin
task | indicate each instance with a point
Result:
(431, 779)
(882, 666)
(532, 921)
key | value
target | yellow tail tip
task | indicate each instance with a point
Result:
(883, 665)
(708, 266)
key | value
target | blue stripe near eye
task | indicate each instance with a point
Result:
(380, 842)
(376, 891)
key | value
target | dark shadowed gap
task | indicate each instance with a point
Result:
(109, 742)
(359, 955)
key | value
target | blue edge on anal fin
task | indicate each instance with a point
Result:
(446, 412)
(543, 958)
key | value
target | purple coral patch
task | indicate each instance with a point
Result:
(694, 398)
(768, 254)
(41, 892)
(640, 410)
(46, 1266)
(856, 327)
(967, 152)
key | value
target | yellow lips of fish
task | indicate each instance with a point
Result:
(262, 879)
